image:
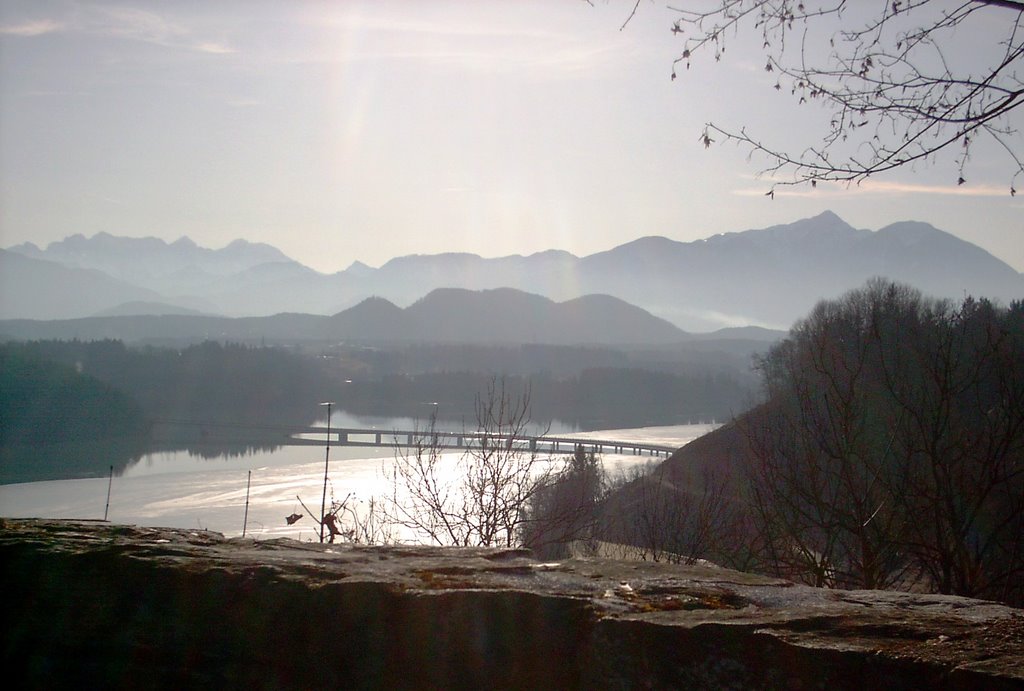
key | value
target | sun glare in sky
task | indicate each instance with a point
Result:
(367, 130)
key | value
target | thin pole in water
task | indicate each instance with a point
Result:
(245, 520)
(109, 485)
(327, 463)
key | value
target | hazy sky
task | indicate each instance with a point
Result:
(342, 131)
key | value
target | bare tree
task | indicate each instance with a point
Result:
(960, 380)
(482, 500)
(564, 511)
(824, 485)
(897, 81)
(663, 519)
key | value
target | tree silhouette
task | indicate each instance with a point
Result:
(889, 451)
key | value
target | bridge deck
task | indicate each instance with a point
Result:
(467, 440)
(368, 437)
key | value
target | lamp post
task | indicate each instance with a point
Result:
(327, 462)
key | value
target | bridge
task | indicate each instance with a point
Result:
(541, 444)
(283, 435)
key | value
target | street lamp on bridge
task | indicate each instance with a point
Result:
(327, 463)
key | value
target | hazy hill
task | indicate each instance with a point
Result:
(767, 277)
(405, 279)
(444, 316)
(143, 308)
(504, 315)
(373, 319)
(280, 286)
(48, 290)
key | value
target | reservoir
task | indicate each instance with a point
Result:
(189, 490)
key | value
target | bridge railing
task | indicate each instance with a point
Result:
(467, 440)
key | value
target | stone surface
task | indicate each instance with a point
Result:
(111, 606)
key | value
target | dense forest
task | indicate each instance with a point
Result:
(211, 382)
(594, 399)
(58, 422)
(50, 402)
(208, 382)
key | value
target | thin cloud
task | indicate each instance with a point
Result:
(480, 46)
(38, 27)
(873, 187)
(127, 23)
(149, 27)
(214, 48)
(965, 190)
(492, 60)
(388, 24)
(731, 320)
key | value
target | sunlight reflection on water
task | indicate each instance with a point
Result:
(180, 490)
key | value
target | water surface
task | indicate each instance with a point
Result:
(186, 490)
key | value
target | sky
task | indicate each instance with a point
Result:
(360, 131)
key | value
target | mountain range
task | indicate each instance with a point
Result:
(767, 277)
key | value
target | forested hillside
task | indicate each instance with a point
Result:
(75, 409)
(232, 383)
(50, 402)
(594, 398)
(209, 382)
(888, 452)
(57, 422)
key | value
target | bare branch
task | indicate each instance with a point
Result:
(894, 98)
(631, 15)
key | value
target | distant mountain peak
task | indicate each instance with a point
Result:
(26, 248)
(243, 245)
(69, 241)
(372, 304)
(827, 215)
(552, 254)
(652, 241)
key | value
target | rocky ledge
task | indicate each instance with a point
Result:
(96, 605)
